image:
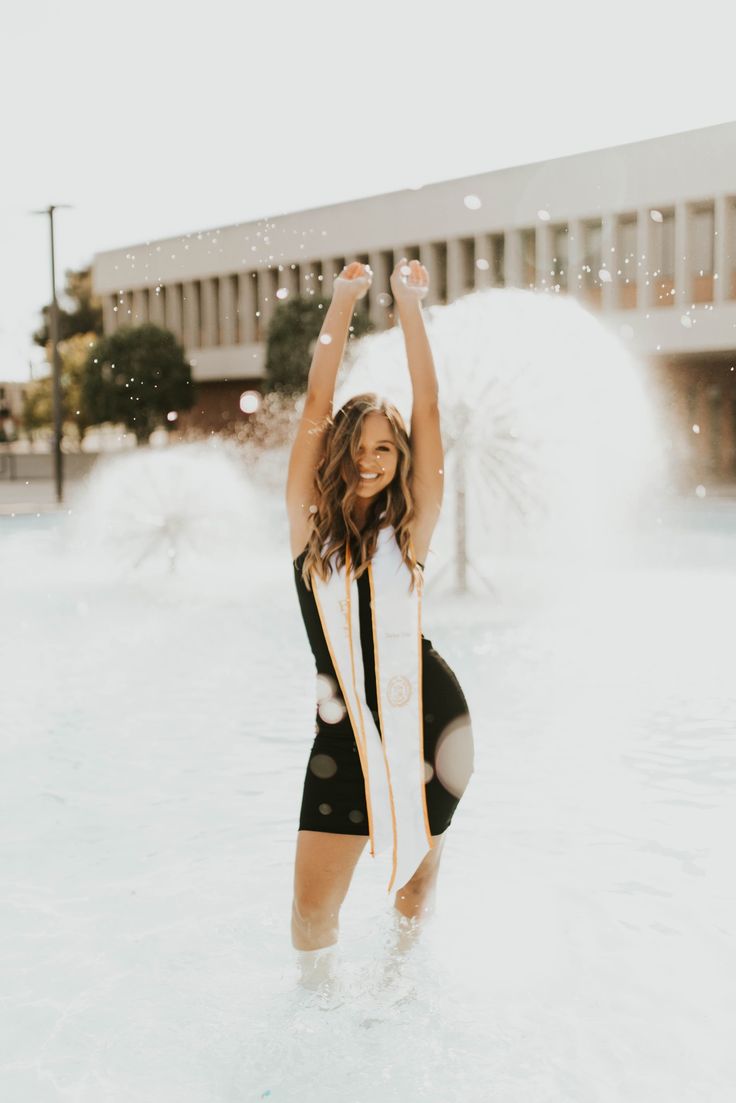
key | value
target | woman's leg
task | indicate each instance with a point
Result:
(416, 897)
(323, 871)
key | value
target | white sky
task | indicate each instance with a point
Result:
(154, 120)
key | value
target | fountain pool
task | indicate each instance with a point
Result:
(158, 703)
(155, 734)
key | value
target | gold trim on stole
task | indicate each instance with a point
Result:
(362, 753)
(420, 692)
(420, 593)
(359, 729)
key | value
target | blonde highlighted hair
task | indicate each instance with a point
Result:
(337, 479)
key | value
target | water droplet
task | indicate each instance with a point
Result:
(472, 202)
(356, 816)
(325, 687)
(543, 215)
(249, 401)
(453, 760)
(325, 339)
(656, 216)
(332, 711)
(323, 765)
(325, 809)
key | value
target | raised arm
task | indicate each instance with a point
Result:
(306, 451)
(409, 287)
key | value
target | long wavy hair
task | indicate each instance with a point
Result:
(337, 478)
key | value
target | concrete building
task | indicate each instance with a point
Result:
(644, 234)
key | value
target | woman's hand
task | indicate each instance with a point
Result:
(354, 280)
(409, 281)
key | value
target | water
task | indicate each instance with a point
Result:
(158, 711)
(155, 734)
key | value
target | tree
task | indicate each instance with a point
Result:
(85, 315)
(74, 352)
(37, 412)
(79, 328)
(136, 376)
(294, 329)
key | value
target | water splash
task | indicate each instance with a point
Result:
(552, 435)
(164, 510)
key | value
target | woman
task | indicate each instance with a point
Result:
(393, 746)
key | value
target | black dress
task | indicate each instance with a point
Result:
(333, 797)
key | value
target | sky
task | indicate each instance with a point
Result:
(151, 119)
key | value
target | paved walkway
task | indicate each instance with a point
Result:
(33, 489)
(33, 496)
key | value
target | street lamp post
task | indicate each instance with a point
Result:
(55, 359)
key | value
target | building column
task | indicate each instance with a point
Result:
(125, 311)
(406, 251)
(246, 308)
(683, 268)
(156, 305)
(289, 279)
(172, 310)
(455, 287)
(109, 314)
(330, 271)
(228, 311)
(209, 313)
(140, 307)
(723, 262)
(309, 284)
(483, 276)
(609, 261)
(575, 257)
(190, 310)
(543, 256)
(266, 300)
(512, 258)
(644, 281)
(380, 286)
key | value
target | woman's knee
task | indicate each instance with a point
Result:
(314, 923)
(323, 871)
(309, 907)
(420, 887)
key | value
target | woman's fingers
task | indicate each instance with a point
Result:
(355, 270)
(356, 276)
(412, 270)
(408, 276)
(406, 267)
(409, 280)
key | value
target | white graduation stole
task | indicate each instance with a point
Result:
(393, 768)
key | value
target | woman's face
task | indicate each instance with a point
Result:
(378, 456)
